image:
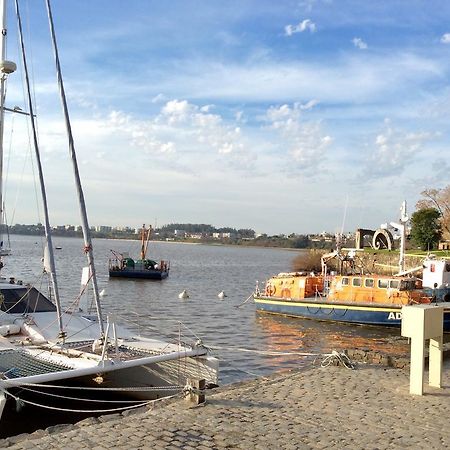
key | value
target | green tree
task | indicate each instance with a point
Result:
(426, 228)
(439, 199)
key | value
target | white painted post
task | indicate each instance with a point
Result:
(435, 362)
(422, 322)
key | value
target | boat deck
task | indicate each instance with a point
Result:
(124, 352)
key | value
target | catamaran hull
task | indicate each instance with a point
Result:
(59, 391)
(67, 400)
(355, 314)
(140, 274)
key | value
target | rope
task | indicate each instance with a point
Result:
(249, 297)
(262, 352)
(82, 399)
(28, 287)
(335, 358)
(123, 408)
(123, 389)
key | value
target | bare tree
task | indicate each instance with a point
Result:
(439, 199)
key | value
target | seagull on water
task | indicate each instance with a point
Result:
(222, 295)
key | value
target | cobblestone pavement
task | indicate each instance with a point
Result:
(333, 407)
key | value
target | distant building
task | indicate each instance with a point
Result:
(103, 229)
(223, 235)
(180, 233)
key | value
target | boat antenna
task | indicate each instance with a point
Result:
(84, 219)
(48, 235)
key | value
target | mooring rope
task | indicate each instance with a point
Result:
(248, 298)
(93, 400)
(112, 389)
(90, 411)
(336, 358)
(262, 352)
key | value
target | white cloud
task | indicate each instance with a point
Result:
(309, 105)
(360, 77)
(159, 98)
(305, 141)
(359, 43)
(445, 38)
(394, 150)
(305, 25)
(180, 127)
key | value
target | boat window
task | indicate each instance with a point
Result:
(383, 284)
(368, 282)
(407, 285)
(356, 282)
(394, 284)
(23, 300)
(345, 281)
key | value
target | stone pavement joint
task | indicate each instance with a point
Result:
(319, 408)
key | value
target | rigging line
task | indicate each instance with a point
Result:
(81, 202)
(29, 287)
(123, 408)
(48, 235)
(168, 320)
(8, 160)
(69, 311)
(29, 147)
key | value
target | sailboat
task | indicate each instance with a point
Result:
(121, 265)
(44, 346)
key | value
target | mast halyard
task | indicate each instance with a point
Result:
(6, 67)
(84, 220)
(47, 228)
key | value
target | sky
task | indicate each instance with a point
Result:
(284, 117)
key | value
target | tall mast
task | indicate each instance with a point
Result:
(6, 67)
(51, 260)
(84, 220)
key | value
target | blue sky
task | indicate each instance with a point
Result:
(292, 116)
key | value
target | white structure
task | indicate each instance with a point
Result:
(436, 271)
(422, 322)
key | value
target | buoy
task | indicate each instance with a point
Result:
(222, 295)
(102, 293)
(183, 294)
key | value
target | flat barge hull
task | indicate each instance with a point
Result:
(139, 274)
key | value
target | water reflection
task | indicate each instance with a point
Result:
(285, 334)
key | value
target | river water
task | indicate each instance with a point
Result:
(153, 309)
(247, 343)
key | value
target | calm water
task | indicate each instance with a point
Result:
(154, 309)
